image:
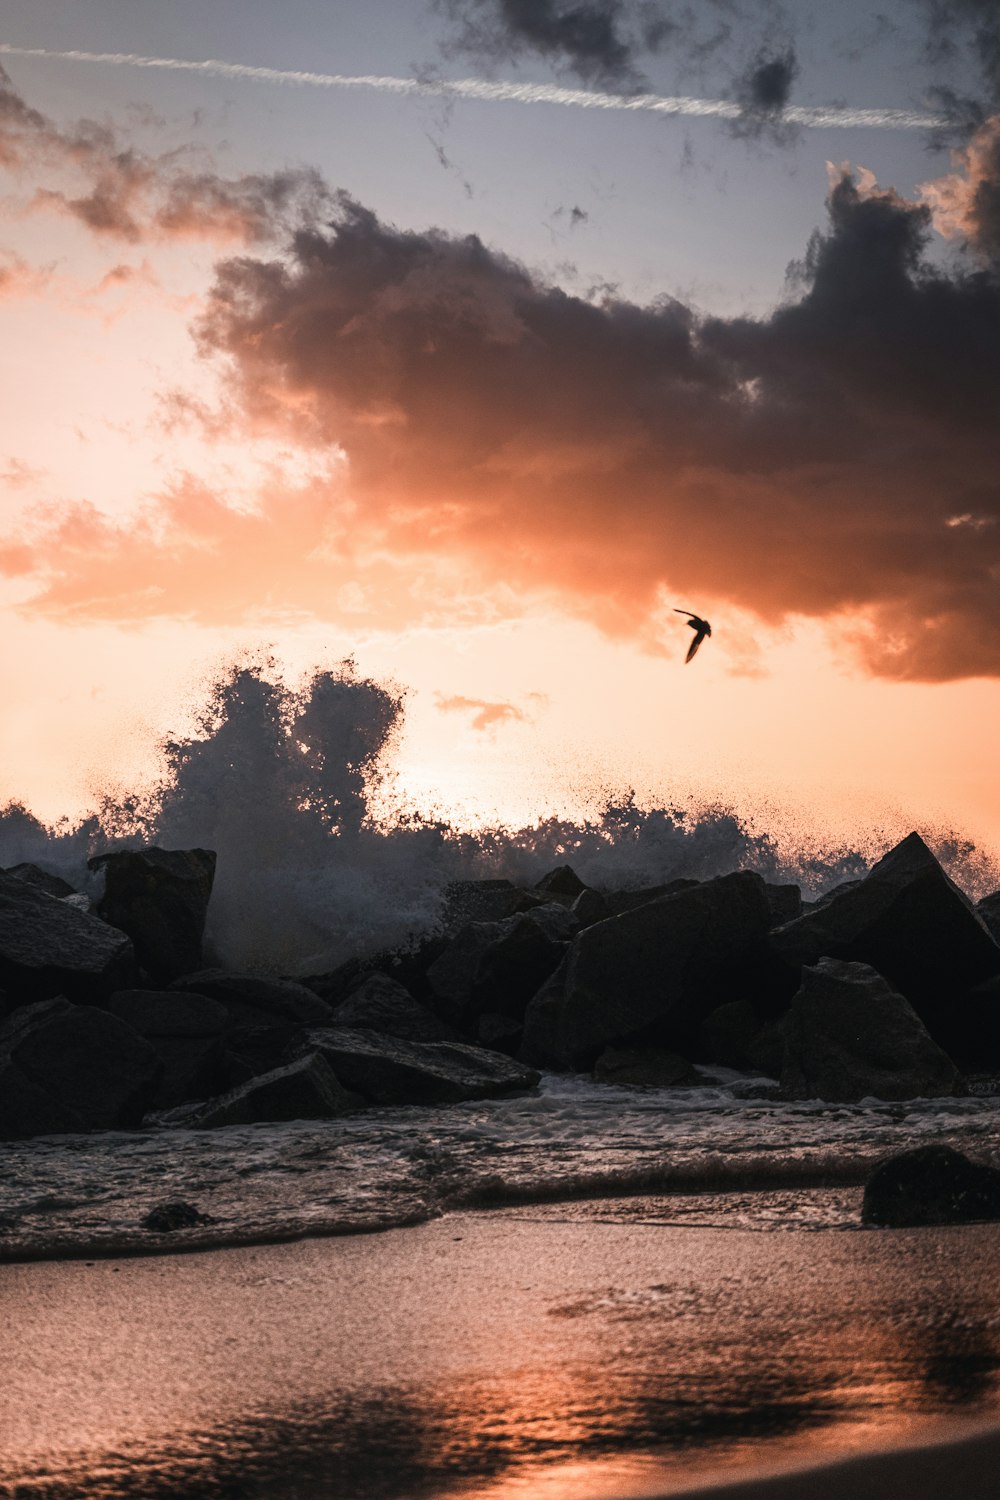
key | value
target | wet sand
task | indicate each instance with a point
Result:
(525, 1353)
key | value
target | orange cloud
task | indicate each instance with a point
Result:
(123, 194)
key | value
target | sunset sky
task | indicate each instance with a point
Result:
(475, 388)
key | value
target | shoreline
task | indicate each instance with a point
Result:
(497, 1355)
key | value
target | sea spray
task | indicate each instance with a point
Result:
(285, 784)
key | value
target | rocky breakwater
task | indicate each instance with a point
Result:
(888, 987)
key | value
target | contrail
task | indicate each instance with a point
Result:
(516, 93)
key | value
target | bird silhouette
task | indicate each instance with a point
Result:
(701, 628)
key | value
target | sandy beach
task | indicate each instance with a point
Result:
(545, 1352)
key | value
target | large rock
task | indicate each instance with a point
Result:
(484, 901)
(620, 902)
(252, 1000)
(87, 1061)
(931, 1185)
(911, 923)
(27, 1109)
(736, 1036)
(849, 1035)
(989, 909)
(306, 1089)
(645, 1067)
(498, 966)
(160, 898)
(654, 973)
(560, 884)
(48, 948)
(379, 1004)
(186, 1030)
(387, 1070)
(42, 880)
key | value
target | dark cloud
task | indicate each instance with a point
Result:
(763, 90)
(124, 194)
(600, 42)
(587, 38)
(963, 37)
(838, 459)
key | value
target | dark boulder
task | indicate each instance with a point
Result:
(305, 1089)
(989, 909)
(484, 901)
(499, 1033)
(254, 1001)
(89, 1062)
(42, 880)
(540, 1032)
(186, 1030)
(646, 1067)
(379, 1004)
(249, 1051)
(387, 1070)
(784, 902)
(160, 898)
(849, 1035)
(174, 1214)
(499, 966)
(911, 923)
(931, 1185)
(620, 902)
(653, 974)
(27, 1109)
(736, 1036)
(590, 907)
(48, 948)
(560, 883)
(407, 967)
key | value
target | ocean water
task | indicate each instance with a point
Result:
(707, 1155)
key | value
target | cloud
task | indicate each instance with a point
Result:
(764, 90)
(505, 440)
(124, 194)
(485, 715)
(18, 278)
(590, 39)
(965, 204)
(806, 463)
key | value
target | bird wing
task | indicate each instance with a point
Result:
(690, 614)
(695, 644)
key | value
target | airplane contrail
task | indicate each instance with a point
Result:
(480, 88)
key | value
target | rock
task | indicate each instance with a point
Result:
(380, 1004)
(648, 1067)
(784, 902)
(89, 1062)
(484, 901)
(160, 898)
(387, 1070)
(562, 881)
(186, 1031)
(174, 1214)
(249, 1051)
(253, 1001)
(78, 901)
(42, 880)
(27, 1109)
(732, 1036)
(541, 1029)
(590, 907)
(499, 1033)
(849, 1035)
(911, 923)
(989, 910)
(498, 966)
(47, 948)
(623, 901)
(306, 1089)
(654, 973)
(407, 967)
(931, 1185)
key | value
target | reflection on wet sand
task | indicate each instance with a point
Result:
(494, 1359)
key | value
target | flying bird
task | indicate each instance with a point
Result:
(701, 628)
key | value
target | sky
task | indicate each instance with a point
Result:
(306, 353)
